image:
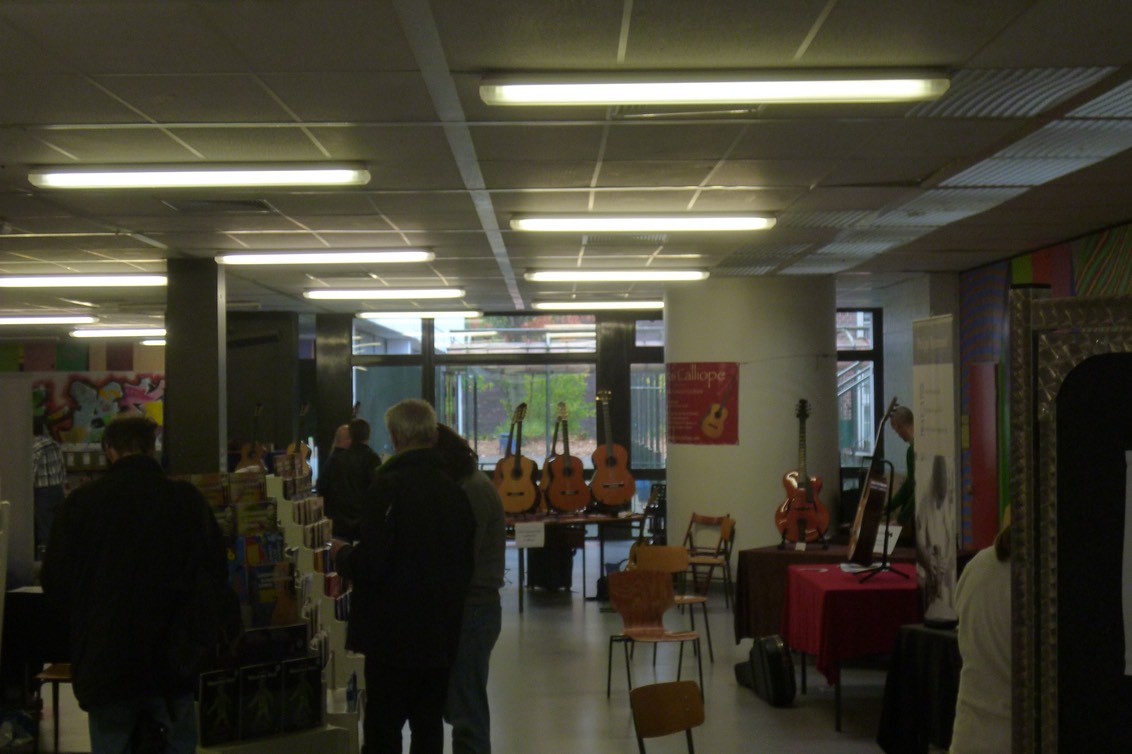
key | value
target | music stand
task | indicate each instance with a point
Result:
(884, 564)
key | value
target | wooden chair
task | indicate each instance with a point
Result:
(662, 709)
(673, 560)
(708, 541)
(641, 598)
(56, 673)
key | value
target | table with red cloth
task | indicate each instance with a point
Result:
(836, 616)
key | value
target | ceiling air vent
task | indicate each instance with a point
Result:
(218, 206)
(622, 239)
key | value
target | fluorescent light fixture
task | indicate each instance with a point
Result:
(154, 342)
(48, 319)
(594, 304)
(615, 276)
(119, 332)
(81, 281)
(421, 315)
(328, 257)
(797, 86)
(365, 294)
(196, 176)
(641, 223)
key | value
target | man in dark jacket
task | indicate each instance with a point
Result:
(410, 572)
(346, 480)
(125, 553)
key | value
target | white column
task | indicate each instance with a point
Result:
(781, 332)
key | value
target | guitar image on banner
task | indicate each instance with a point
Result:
(565, 484)
(801, 518)
(870, 509)
(715, 420)
(612, 485)
(516, 476)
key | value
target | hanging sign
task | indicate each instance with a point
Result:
(703, 403)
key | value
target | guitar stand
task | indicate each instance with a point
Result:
(884, 564)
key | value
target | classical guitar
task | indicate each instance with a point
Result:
(612, 484)
(870, 509)
(565, 489)
(252, 453)
(516, 476)
(715, 420)
(802, 517)
(299, 448)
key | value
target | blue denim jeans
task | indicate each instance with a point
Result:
(112, 724)
(467, 708)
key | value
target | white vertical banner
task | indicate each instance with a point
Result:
(1126, 566)
(937, 472)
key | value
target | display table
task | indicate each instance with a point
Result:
(760, 583)
(600, 520)
(920, 692)
(836, 616)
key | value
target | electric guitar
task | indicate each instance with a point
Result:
(870, 509)
(715, 419)
(516, 476)
(802, 517)
(565, 487)
(252, 453)
(612, 484)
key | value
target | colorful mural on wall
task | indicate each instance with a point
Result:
(78, 406)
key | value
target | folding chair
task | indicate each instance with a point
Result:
(708, 541)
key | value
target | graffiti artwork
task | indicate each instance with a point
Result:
(78, 406)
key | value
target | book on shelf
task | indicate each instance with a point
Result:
(304, 700)
(218, 708)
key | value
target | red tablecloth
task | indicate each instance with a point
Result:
(835, 616)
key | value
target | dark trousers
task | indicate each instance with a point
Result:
(394, 695)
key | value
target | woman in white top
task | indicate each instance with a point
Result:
(983, 708)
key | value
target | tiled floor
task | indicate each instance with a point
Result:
(548, 687)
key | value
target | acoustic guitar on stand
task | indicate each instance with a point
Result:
(874, 499)
(565, 488)
(299, 448)
(516, 476)
(252, 453)
(612, 485)
(802, 517)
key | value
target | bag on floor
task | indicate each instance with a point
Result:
(771, 671)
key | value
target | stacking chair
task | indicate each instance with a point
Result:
(661, 709)
(54, 674)
(708, 541)
(641, 598)
(672, 559)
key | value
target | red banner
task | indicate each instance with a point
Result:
(703, 403)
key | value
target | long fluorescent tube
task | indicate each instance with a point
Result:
(119, 332)
(196, 176)
(592, 305)
(799, 86)
(640, 223)
(421, 315)
(353, 294)
(328, 257)
(59, 319)
(617, 276)
(154, 342)
(81, 281)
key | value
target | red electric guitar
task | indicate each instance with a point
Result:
(516, 476)
(802, 517)
(612, 484)
(565, 487)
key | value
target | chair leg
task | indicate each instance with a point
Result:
(654, 654)
(641, 745)
(628, 671)
(707, 630)
(680, 662)
(691, 746)
(700, 662)
(55, 711)
(609, 670)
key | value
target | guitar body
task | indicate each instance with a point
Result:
(251, 456)
(302, 453)
(714, 420)
(870, 509)
(612, 483)
(801, 517)
(566, 489)
(516, 478)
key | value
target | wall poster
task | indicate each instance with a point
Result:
(77, 406)
(703, 403)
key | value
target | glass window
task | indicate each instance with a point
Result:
(376, 388)
(387, 336)
(519, 334)
(855, 391)
(650, 332)
(649, 416)
(479, 402)
(855, 331)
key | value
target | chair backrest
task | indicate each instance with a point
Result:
(707, 535)
(666, 558)
(661, 709)
(641, 597)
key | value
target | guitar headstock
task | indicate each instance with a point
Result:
(803, 410)
(520, 413)
(561, 411)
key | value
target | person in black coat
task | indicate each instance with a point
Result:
(126, 555)
(410, 572)
(346, 480)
